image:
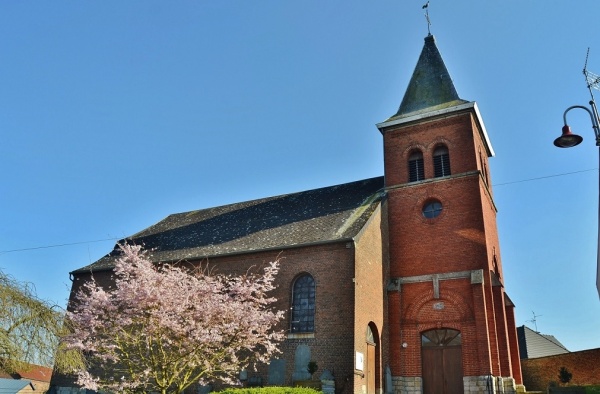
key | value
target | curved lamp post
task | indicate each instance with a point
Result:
(567, 140)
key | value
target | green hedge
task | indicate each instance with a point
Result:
(270, 390)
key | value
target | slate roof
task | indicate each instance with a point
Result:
(430, 87)
(12, 385)
(328, 214)
(532, 344)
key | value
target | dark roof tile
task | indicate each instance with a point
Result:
(321, 215)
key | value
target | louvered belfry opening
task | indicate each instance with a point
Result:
(416, 172)
(441, 161)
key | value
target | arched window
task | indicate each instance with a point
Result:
(441, 161)
(370, 336)
(441, 337)
(416, 172)
(303, 304)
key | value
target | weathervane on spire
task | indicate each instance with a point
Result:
(426, 8)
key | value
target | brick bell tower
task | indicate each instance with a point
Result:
(451, 324)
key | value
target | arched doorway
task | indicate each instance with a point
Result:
(441, 355)
(372, 367)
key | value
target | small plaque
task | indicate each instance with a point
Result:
(360, 361)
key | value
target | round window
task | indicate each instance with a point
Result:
(432, 209)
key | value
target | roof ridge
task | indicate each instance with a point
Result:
(262, 199)
(326, 214)
(248, 203)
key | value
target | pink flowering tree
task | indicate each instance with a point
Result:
(163, 328)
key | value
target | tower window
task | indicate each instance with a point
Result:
(432, 209)
(303, 304)
(416, 172)
(441, 161)
(484, 168)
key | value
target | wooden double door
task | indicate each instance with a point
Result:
(441, 355)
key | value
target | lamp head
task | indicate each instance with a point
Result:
(567, 139)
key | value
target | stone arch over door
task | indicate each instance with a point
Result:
(373, 360)
(441, 358)
(451, 307)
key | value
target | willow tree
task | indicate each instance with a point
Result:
(164, 328)
(31, 330)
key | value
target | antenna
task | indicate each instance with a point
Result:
(593, 80)
(534, 320)
(426, 8)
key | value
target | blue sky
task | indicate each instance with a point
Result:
(114, 114)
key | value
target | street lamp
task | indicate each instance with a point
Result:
(568, 139)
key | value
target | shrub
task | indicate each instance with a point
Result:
(564, 375)
(312, 368)
(269, 390)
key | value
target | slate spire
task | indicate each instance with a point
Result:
(430, 87)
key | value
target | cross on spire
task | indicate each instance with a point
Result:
(426, 8)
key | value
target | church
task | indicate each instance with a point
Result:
(392, 284)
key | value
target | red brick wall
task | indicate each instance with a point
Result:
(513, 343)
(482, 333)
(370, 280)
(502, 332)
(492, 334)
(463, 310)
(419, 315)
(332, 267)
(463, 237)
(584, 365)
(454, 241)
(395, 334)
(454, 131)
